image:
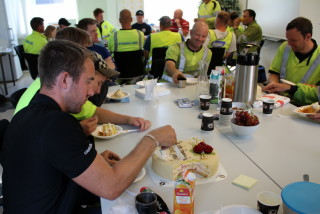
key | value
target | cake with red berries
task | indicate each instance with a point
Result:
(194, 155)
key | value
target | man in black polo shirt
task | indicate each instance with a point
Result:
(140, 24)
(45, 148)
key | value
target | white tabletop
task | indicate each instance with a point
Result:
(286, 146)
(187, 125)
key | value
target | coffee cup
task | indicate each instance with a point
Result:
(268, 106)
(205, 102)
(146, 203)
(268, 202)
(207, 122)
(182, 82)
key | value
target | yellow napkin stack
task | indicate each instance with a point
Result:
(244, 181)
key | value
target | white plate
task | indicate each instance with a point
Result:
(141, 174)
(140, 84)
(296, 110)
(109, 95)
(191, 81)
(99, 128)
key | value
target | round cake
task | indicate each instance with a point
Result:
(169, 162)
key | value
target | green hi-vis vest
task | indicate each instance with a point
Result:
(107, 29)
(126, 40)
(209, 12)
(34, 43)
(224, 42)
(162, 39)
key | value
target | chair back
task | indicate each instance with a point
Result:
(158, 61)
(216, 59)
(32, 60)
(4, 123)
(261, 44)
(130, 64)
(20, 52)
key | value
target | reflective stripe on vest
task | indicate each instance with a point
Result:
(116, 40)
(285, 58)
(183, 58)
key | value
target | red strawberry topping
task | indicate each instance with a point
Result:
(202, 143)
(207, 149)
(198, 149)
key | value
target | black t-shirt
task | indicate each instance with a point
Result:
(43, 149)
(144, 27)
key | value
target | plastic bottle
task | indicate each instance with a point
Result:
(184, 193)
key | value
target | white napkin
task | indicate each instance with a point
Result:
(279, 100)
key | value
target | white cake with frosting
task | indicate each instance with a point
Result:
(180, 157)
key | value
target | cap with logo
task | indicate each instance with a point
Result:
(63, 21)
(165, 21)
(101, 66)
(139, 13)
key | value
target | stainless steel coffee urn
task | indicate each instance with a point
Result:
(245, 86)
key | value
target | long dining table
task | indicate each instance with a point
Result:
(283, 149)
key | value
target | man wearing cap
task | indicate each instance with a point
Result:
(63, 23)
(90, 114)
(90, 26)
(207, 12)
(140, 24)
(164, 38)
(126, 39)
(104, 28)
(183, 58)
(179, 24)
(33, 43)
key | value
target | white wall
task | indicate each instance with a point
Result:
(310, 10)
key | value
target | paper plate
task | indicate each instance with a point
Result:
(99, 128)
(141, 174)
(109, 95)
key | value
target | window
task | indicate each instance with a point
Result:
(155, 9)
(51, 10)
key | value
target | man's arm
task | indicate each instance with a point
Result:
(171, 69)
(109, 182)
(106, 116)
(274, 78)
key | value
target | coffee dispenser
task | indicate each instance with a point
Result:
(246, 76)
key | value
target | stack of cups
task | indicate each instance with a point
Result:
(225, 112)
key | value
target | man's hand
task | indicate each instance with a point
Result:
(176, 75)
(178, 22)
(166, 136)
(111, 157)
(139, 122)
(275, 87)
(89, 125)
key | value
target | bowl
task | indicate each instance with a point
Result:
(301, 197)
(237, 209)
(243, 131)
